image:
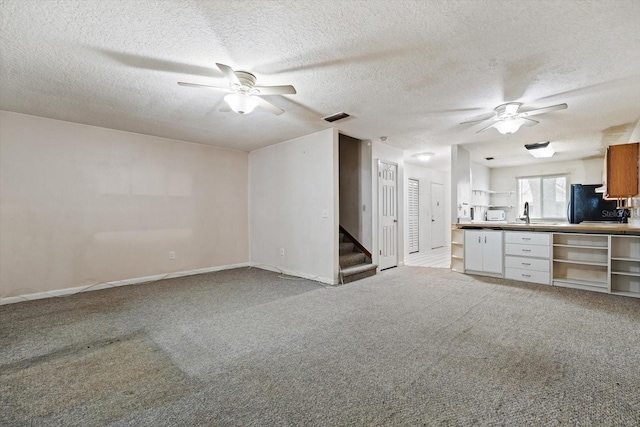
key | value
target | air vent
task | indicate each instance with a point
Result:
(336, 117)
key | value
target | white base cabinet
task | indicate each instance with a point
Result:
(527, 257)
(483, 252)
(607, 263)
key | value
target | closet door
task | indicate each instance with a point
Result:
(414, 216)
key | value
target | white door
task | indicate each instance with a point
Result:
(437, 216)
(388, 214)
(414, 218)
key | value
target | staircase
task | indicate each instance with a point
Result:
(354, 264)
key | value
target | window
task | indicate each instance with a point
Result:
(547, 196)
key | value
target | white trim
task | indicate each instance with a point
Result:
(106, 285)
(325, 280)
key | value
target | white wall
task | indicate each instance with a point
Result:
(81, 205)
(425, 177)
(580, 171)
(635, 134)
(290, 185)
(460, 184)
(380, 151)
(480, 180)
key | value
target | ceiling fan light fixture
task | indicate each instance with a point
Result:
(241, 103)
(424, 157)
(509, 126)
(540, 150)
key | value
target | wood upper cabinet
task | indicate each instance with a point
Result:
(621, 175)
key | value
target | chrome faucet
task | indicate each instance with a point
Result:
(525, 216)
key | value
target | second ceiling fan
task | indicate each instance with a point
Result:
(244, 95)
(507, 119)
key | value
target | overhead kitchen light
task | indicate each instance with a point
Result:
(425, 157)
(509, 125)
(241, 103)
(540, 150)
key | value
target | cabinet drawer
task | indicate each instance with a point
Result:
(522, 263)
(527, 275)
(527, 238)
(527, 250)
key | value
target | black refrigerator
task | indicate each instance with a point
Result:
(587, 205)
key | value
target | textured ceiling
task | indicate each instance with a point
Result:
(408, 70)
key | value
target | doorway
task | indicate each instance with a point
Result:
(437, 216)
(388, 214)
(414, 215)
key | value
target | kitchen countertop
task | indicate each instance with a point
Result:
(606, 228)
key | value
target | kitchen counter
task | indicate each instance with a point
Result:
(594, 257)
(606, 228)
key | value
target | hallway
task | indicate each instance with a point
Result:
(436, 258)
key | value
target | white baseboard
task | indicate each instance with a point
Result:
(295, 273)
(106, 285)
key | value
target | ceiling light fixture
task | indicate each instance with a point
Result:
(241, 103)
(509, 125)
(424, 157)
(540, 150)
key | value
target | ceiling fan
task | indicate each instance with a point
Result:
(507, 119)
(245, 95)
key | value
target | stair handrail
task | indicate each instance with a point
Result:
(355, 242)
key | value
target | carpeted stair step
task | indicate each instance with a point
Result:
(351, 259)
(346, 247)
(357, 272)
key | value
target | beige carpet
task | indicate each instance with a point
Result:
(410, 346)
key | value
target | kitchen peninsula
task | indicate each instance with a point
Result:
(595, 257)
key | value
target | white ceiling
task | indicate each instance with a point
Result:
(409, 70)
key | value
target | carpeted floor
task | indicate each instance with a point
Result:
(409, 346)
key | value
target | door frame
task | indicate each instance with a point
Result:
(380, 229)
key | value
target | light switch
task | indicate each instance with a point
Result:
(325, 213)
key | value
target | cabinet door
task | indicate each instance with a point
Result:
(622, 170)
(492, 256)
(473, 244)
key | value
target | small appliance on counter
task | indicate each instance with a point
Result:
(585, 205)
(496, 215)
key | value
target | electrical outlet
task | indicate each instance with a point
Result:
(172, 255)
(281, 251)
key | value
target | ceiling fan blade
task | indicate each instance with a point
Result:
(269, 106)
(487, 127)
(204, 86)
(543, 110)
(229, 73)
(479, 119)
(276, 90)
(529, 122)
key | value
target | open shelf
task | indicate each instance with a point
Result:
(581, 261)
(602, 248)
(581, 240)
(581, 284)
(625, 266)
(580, 255)
(457, 250)
(569, 261)
(625, 285)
